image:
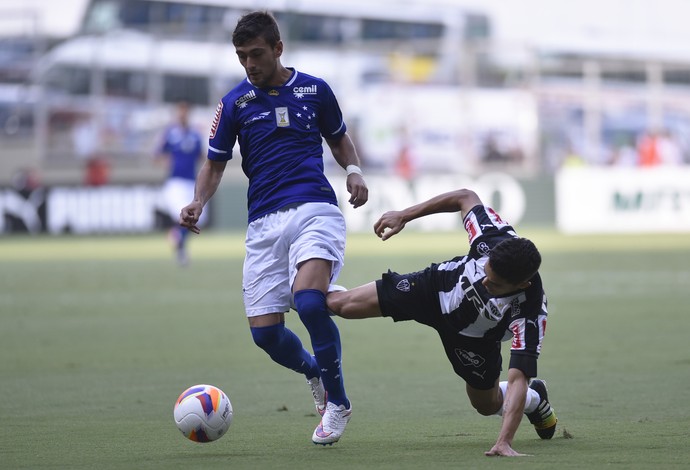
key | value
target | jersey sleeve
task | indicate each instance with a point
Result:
(331, 120)
(223, 134)
(485, 229)
(528, 331)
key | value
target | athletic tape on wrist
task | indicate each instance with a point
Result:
(353, 169)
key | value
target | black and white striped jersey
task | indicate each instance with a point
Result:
(467, 306)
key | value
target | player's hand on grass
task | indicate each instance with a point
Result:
(503, 449)
(359, 193)
(189, 216)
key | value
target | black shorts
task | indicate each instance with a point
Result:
(413, 296)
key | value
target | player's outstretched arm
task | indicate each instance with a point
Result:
(207, 182)
(461, 200)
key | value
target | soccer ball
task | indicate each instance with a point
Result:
(203, 413)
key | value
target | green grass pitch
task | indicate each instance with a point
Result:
(98, 336)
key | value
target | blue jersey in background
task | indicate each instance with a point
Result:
(184, 146)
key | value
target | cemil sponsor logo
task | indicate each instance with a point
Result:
(483, 248)
(241, 102)
(300, 91)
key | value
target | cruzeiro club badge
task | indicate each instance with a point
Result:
(282, 117)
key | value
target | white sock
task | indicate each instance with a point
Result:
(531, 401)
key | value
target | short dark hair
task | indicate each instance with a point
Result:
(254, 25)
(516, 260)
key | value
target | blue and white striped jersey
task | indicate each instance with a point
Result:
(279, 131)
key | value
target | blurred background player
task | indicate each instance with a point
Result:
(295, 240)
(181, 149)
(492, 294)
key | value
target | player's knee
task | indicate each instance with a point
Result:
(267, 336)
(484, 404)
(310, 303)
(484, 409)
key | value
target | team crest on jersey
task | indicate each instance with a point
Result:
(216, 120)
(282, 117)
(300, 91)
(241, 102)
(403, 286)
(273, 93)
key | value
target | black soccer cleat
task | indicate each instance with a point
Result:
(543, 418)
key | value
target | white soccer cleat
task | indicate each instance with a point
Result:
(332, 425)
(319, 393)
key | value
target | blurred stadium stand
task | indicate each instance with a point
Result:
(425, 88)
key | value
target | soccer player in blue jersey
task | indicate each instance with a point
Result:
(475, 301)
(182, 149)
(296, 235)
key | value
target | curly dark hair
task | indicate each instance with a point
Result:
(516, 260)
(254, 25)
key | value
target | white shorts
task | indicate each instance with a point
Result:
(177, 193)
(278, 242)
